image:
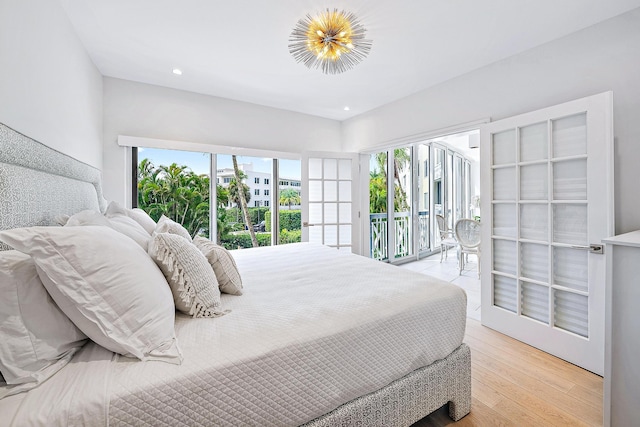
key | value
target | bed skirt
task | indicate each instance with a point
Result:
(412, 397)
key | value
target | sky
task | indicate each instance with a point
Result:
(199, 162)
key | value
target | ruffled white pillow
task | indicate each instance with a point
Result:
(192, 281)
(36, 338)
(107, 285)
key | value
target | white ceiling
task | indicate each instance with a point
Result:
(238, 49)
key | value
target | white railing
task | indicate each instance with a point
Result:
(403, 234)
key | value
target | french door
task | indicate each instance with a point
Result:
(328, 189)
(547, 187)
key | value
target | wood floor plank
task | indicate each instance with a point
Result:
(560, 399)
(513, 384)
(562, 368)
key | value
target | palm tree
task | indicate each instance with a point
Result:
(289, 197)
(243, 203)
(401, 159)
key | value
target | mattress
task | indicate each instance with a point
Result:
(315, 328)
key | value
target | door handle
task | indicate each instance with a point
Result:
(593, 248)
(306, 224)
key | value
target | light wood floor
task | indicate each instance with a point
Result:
(514, 384)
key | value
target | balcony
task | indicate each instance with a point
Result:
(378, 230)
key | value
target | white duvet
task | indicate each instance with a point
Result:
(314, 329)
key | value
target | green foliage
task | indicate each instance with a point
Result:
(292, 236)
(178, 193)
(378, 182)
(243, 240)
(289, 197)
(289, 220)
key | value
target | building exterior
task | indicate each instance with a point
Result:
(259, 184)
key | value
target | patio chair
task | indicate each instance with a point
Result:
(447, 239)
(467, 232)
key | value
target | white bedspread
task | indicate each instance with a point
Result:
(314, 329)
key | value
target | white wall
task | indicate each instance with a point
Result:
(600, 58)
(137, 109)
(49, 88)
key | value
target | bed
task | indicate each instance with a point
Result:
(319, 337)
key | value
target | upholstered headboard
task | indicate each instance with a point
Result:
(38, 183)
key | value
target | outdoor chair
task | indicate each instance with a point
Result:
(447, 239)
(467, 232)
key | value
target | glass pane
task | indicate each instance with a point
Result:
(570, 180)
(330, 191)
(330, 235)
(570, 136)
(315, 234)
(344, 213)
(330, 213)
(535, 301)
(533, 142)
(504, 147)
(315, 168)
(571, 268)
(439, 166)
(534, 261)
(315, 191)
(177, 196)
(378, 205)
(570, 224)
(315, 213)
(505, 293)
(290, 186)
(571, 312)
(533, 182)
(403, 185)
(344, 191)
(459, 210)
(423, 197)
(504, 220)
(534, 222)
(449, 183)
(504, 256)
(504, 184)
(344, 169)
(345, 234)
(330, 169)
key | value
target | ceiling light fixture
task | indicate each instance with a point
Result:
(177, 71)
(332, 41)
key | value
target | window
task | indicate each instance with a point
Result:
(266, 180)
(256, 203)
(256, 180)
(256, 192)
(266, 203)
(266, 192)
(226, 179)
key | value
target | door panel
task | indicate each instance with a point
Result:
(328, 186)
(548, 180)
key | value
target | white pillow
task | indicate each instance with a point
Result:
(192, 281)
(223, 265)
(167, 225)
(142, 218)
(120, 223)
(36, 338)
(107, 285)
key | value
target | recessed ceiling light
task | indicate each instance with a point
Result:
(347, 108)
(177, 71)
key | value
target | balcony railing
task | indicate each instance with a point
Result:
(403, 234)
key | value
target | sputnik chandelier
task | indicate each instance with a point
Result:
(332, 41)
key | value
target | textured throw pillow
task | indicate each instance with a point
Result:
(167, 225)
(107, 285)
(223, 265)
(36, 338)
(121, 224)
(192, 281)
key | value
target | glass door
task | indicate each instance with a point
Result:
(424, 198)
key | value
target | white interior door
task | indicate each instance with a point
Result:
(547, 195)
(329, 214)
